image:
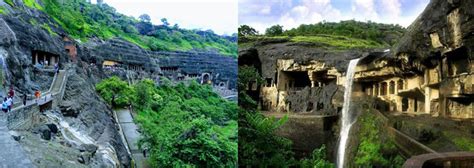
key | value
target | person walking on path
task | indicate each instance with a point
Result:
(37, 95)
(9, 104)
(24, 99)
(5, 105)
(56, 68)
(11, 93)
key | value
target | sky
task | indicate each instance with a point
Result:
(217, 15)
(261, 14)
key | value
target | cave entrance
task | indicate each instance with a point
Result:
(296, 80)
(135, 67)
(458, 61)
(206, 78)
(404, 104)
(415, 104)
(109, 64)
(322, 78)
(44, 59)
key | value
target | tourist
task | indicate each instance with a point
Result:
(37, 95)
(24, 99)
(5, 105)
(46, 63)
(11, 93)
(9, 104)
(56, 68)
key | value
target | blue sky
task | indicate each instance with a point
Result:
(261, 14)
(217, 15)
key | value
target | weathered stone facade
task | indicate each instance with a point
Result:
(431, 71)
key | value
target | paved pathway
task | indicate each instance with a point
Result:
(12, 154)
(129, 130)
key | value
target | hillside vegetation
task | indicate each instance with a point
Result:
(182, 125)
(83, 21)
(341, 35)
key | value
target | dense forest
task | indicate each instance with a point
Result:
(83, 20)
(183, 125)
(343, 34)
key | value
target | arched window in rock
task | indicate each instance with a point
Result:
(400, 85)
(392, 87)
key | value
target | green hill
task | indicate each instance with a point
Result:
(83, 20)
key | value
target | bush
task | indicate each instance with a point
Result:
(317, 160)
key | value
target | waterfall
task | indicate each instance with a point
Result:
(4, 73)
(346, 119)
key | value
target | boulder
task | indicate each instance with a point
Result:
(53, 128)
(84, 158)
(88, 148)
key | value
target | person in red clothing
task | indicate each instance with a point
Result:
(37, 95)
(11, 93)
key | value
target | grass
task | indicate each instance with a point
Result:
(33, 22)
(325, 41)
(339, 42)
(32, 4)
(47, 28)
(3, 10)
(461, 141)
(10, 2)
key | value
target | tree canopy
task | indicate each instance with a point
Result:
(275, 30)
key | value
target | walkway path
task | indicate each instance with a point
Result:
(11, 152)
(131, 135)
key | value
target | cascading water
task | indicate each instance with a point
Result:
(346, 119)
(4, 72)
(77, 138)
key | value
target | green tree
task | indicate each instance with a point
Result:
(165, 22)
(245, 30)
(275, 30)
(145, 18)
(192, 126)
(114, 91)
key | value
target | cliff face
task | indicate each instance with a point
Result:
(24, 42)
(300, 77)
(431, 70)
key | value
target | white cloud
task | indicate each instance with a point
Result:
(266, 10)
(261, 14)
(364, 9)
(390, 8)
(309, 12)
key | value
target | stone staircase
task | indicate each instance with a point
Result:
(12, 154)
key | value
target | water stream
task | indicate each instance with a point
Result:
(4, 72)
(75, 137)
(346, 118)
